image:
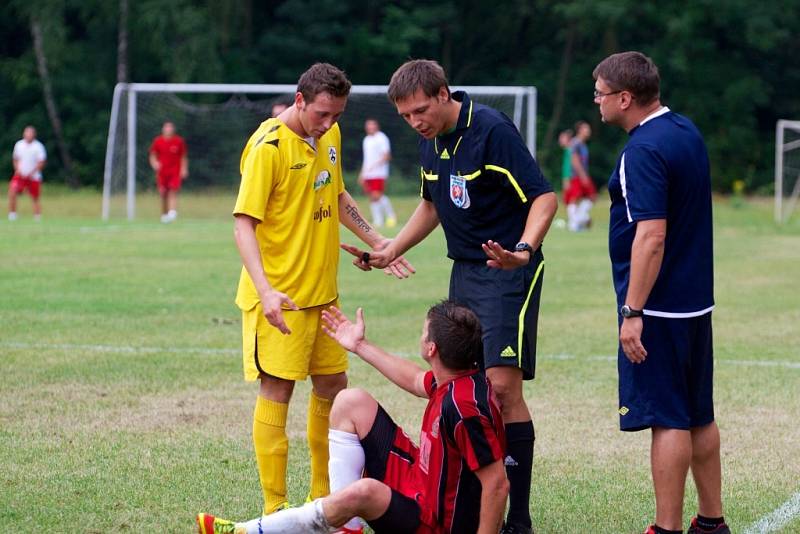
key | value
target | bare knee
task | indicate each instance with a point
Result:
(328, 386)
(353, 411)
(276, 389)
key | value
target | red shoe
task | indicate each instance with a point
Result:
(650, 530)
(208, 524)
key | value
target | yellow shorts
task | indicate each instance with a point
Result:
(306, 351)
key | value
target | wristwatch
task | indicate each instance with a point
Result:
(627, 312)
(523, 246)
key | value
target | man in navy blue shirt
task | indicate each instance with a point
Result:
(660, 243)
(479, 181)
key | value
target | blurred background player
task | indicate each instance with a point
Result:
(454, 482)
(280, 106)
(564, 140)
(29, 159)
(581, 193)
(168, 157)
(287, 214)
(374, 171)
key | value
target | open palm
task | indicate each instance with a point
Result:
(340, 328)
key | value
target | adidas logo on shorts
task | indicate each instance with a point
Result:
(508, 352)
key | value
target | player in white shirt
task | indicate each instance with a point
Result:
(374, 171)
(29, 160)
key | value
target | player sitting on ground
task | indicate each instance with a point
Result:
(454, 481)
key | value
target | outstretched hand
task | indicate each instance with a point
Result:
(500, 258)
(381, 257)
(342, 330)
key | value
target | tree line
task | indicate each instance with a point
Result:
(729, 65)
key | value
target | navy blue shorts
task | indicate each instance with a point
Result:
(507, 305)
(673, 387)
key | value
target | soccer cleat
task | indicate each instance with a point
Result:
(650, 530)
(345, 530)
(515, 528)
(12, 216)
(695, 529)
(208, 524)
(391, 222)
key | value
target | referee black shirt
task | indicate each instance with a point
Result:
(481, 178)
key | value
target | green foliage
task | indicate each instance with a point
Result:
(729, 66)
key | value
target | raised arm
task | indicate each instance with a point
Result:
(405, 373)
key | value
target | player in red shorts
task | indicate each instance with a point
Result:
(169, 159)
(377, 151)
(29, 158)
(454, 482)
(581, 193)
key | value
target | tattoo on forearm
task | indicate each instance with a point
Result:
(360, 222)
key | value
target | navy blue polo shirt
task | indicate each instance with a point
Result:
(663, 173)
(481, 178)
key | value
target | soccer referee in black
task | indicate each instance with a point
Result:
(481, 183)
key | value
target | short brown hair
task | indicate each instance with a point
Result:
(630, 71)
(457, 334)
(323, 78)
(424, 74)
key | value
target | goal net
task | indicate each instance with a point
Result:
(216, 120)
(787, 169)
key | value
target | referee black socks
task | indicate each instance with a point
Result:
(519, 463)
(709, 523)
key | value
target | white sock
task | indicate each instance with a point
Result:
(572, 217)
(377, 216)
(387, 207)
(584, 208)
(346, 464)
(307, 518)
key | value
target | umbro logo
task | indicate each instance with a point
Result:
(508, 352)
(510, 461)
(298, 166)
(624, 410)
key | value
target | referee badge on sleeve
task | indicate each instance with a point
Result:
(458, 191)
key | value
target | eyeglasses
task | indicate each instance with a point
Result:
(598, 94)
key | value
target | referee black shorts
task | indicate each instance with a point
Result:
(507, 305)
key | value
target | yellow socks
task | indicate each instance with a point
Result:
(272, 448)
(317, 431)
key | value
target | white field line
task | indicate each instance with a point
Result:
(778, 518)
(120, 349)
(134, 349)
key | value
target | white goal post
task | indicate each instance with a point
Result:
(787, 168)
(227, 113)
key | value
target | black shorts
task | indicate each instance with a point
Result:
(507, 305)
(674, 386)
(389, 456)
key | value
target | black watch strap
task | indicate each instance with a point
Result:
(628, 312)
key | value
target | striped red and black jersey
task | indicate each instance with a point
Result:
(462, 431)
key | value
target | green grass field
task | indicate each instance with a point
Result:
(123, 407)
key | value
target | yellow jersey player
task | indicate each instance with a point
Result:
(290, 203)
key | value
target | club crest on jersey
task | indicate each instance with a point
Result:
(435, 428)
(332, 154)
(322, 179)
(458, 191)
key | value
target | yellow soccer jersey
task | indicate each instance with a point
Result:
(294, 191)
